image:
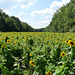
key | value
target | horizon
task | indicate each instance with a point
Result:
(37, 13)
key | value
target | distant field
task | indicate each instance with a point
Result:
(37, 53)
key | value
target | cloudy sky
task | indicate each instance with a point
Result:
(37, 13)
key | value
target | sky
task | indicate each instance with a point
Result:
(37, 13)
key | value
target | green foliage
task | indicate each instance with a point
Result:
(30, 40)
(55, 54)
(63, 19)
(72, 30)
(41, 62)
(6, 38)
(19, 55)
(26, 27)
(40, 30)
(9, 24)
(18, 72)
(17, 51)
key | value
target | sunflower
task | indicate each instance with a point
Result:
(2, 38)
(30, 54)
(66, 41)
(8, 41)
(71, 43)
(15, 42)
(63, 54)
(27, 48)
(49, 73)
(4, 45)
(32, 63)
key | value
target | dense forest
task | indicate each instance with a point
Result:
(9, 24)
(63, 21)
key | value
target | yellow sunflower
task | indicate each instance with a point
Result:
(71, 43)
(15, 42)
(30, 54)
(28, 48)
(32, 63)
(8, 41)
(66, 41)
(4, 45)
(63, 54)
(49, 73)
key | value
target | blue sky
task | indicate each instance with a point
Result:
(37, 13)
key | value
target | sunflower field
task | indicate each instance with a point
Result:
(37, 53)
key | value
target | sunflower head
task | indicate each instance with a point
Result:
(15, 42)
(71, 43)
(8, 41)
(27, 48)
(66, 41)
(4, 45)
(32, 63)
(49, 73)
(63, 54)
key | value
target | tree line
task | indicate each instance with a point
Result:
(63, 21)
(10, 24)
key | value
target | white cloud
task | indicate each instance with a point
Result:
(48, 12)
(26, 3)
(40, 24)
(7, 12)
(16, 3)
(65, 1)
(22, 17)
(44, 22)
(22, 14)
(42, 13)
